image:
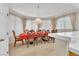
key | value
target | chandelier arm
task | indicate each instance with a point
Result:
(38, 11)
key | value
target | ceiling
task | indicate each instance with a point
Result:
(45, 9)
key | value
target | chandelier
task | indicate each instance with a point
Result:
(38, 20)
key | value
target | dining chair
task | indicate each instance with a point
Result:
(17, 39)
(54, 31)
(39, 37)
(53, 38)
(45, 36)
(31, 38)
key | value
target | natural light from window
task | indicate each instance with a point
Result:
(64, 23)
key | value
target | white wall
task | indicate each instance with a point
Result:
(4, 28)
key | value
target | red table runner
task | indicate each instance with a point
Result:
(32, 35)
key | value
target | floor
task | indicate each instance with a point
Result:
(48, 49)
(72, 54)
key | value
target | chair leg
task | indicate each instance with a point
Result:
(48, 39)
(41, 41)
(53, 40)
(22, 42)
(14, 43)
(27, 42)
(34, 43)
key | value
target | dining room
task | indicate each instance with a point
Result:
(40, 29)
(33, 23)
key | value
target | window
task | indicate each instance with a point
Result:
(31, 25)
(18, 26)
(64, 23)
(45, 25)
(15, 24)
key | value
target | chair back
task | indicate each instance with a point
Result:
(54, 31)
(48, 31)
(14, 34)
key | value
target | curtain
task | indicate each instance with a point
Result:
(24, 24)
(46, 24)
(18, 26)
(54, 23)
(73, 20)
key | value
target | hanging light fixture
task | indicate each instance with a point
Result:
(38, 20)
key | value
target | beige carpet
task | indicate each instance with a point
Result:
(49, 49)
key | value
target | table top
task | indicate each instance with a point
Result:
(73, 36)
(32, 35)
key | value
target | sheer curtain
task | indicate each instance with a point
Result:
(46, 24)
(23, 24)
(54, 23)
(64, 24)
(31, 25)
(19, 26)
(73, 19)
